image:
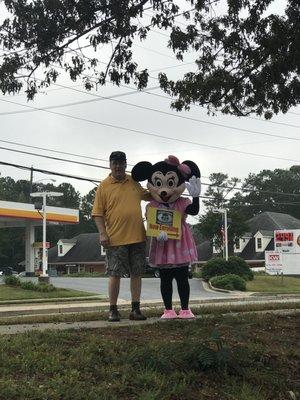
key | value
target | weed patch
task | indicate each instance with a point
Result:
(246, 357)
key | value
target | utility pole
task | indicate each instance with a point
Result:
(30, 184)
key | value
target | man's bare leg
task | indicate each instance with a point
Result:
(135, 287)
(113, 289)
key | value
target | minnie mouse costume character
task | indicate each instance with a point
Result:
(167, 180)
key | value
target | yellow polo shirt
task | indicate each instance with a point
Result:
(119, 202)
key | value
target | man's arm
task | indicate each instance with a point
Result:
(145, 194)
(104, 239)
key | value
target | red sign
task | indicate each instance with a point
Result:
(284, 236)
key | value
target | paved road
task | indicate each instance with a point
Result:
(150, 289)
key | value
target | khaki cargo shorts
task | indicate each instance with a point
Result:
(128, 259)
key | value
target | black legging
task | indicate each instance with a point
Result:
(166, 287)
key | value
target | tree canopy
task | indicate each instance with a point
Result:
(247, 58)
(211, 224)
(277, 191)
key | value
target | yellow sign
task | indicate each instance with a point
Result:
(163, 220)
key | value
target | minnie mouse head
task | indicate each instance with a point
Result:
(166, 179)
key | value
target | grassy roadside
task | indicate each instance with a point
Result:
(151, 311)
(16, 293)
(274, 284)
(249, 357)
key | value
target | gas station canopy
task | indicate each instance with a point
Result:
(14, 214)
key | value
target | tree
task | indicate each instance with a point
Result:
(277, 191)
(247, 58)
(210, 224)
(87, 224)
(218, 190)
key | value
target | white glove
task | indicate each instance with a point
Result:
(193, 186)
(162, 237)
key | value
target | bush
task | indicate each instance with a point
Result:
(219, 266)
(229, 282)
(45, 287)
(213, 267)
(12, 280)
(28, 285)
(239, 267)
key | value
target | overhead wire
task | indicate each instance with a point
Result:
(122, 128)
(114, 99)
(234, 188)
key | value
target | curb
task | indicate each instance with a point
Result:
(64, 308)
(17, 329)
(236, 292)
(53, 300)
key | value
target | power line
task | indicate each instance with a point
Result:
(113, 98)
(107, 168)
(274, 122)
(154, 134)
(47, 172)
(150, 109)
(53, 158)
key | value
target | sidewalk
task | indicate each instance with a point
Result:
(62, 307)
(23, 328)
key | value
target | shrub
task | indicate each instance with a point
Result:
(229, 282)
(219, 266)
(12, 280)
(45, 287)
(213, 267)
(239, 267)
(28, 285)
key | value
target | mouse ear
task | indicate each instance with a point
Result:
(194, 169)
(141, 171)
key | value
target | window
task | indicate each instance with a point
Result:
(237, 245)
(61, 249)
(259, 243)
(91, 270)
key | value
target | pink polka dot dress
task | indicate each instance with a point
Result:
(172, 252)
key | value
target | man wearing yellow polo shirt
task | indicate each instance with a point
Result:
(118, 216)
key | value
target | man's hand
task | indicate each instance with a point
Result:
(193, 186)
(162, 237)
(104, 239)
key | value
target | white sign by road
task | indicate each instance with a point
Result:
(273, 262)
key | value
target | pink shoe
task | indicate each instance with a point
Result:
(186, 314)
(169, 314)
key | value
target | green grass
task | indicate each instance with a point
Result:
(274, 284)
(221, 358)
(16, 293)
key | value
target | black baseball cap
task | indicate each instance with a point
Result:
(117, 156)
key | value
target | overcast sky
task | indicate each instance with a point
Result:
(86, 136)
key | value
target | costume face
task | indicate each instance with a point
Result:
(165, 187)
(166, 179)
